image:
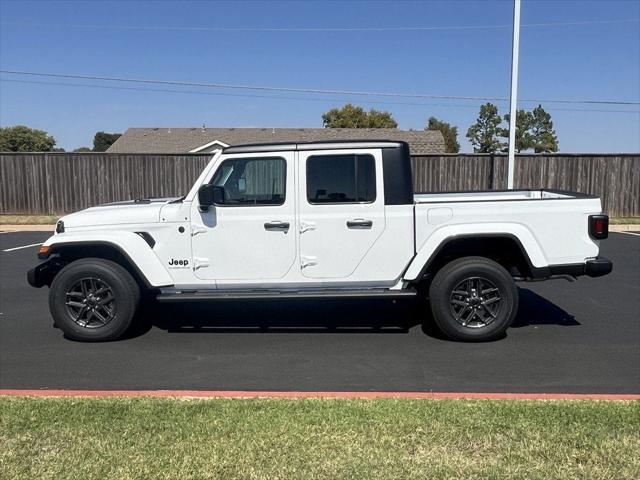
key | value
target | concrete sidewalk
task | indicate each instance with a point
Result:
(630, 227)
(27, 228)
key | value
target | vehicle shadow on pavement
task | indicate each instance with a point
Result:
(537, 310)
(291, 316)
(322, 316)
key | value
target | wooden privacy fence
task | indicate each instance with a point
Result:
(41, 183)
(615, 178)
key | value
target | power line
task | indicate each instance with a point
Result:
(242, 95)
(319, 29)
(279, 97)
(303, 90)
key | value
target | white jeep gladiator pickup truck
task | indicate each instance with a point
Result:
(318, 220)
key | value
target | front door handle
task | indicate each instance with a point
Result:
(359, 223)
(277, 226)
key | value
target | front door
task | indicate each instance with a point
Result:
(250, 235)
(341, 211)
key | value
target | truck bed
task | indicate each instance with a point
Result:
(553, 229)
(496, 196)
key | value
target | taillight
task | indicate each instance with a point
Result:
(599, 226)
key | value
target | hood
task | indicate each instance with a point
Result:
(119, 213)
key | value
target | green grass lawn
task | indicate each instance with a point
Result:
(140, 438)
(28, 219)
(625, 221)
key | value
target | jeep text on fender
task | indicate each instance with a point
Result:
(312, 220)
(178, 263)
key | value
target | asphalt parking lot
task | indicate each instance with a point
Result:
(581, 337)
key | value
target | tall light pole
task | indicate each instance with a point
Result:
(513, 109)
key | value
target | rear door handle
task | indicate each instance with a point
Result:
(277, 226)
(359, 223)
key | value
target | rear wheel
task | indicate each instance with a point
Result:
(473, 299)
(93, 300)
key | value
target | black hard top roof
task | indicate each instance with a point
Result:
(324, 145)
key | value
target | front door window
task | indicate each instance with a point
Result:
(252, 181)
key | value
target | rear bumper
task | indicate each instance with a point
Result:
(596, 267)
(43, 273)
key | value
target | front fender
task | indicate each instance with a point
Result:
(129, 244)
(440, 236)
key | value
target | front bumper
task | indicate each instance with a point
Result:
(43, 273)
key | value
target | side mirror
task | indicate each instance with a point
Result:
(210, 195)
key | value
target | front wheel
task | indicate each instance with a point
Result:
(93, 300)
(473, 299)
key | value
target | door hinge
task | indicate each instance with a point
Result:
(306, 226)
(200, 262)
(308, 261)
(196, 229)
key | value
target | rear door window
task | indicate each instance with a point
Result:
(349, 178)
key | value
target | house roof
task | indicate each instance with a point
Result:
(183, 140)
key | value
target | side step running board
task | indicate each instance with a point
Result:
(211, 295)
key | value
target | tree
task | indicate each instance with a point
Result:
(449, 133)
(351, 116)
(534, 131)
(524, 139)
(24, 139)
(483, 135)
(103, 140)
(544, 138)
(82, 150)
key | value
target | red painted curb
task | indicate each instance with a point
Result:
(283, 394)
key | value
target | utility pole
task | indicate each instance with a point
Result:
(513, 109)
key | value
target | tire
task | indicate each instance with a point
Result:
(473, 299)
(87, 292)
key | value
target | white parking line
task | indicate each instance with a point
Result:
(630, 233)
(20, 248)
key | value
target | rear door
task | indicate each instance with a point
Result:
(251, 235)
(341, 210)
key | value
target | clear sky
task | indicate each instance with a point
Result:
(598, 58)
